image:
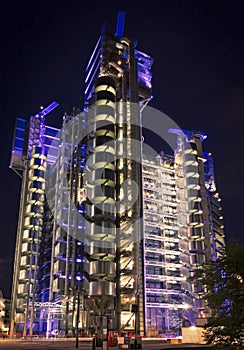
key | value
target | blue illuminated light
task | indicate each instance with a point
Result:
(96, 58)
(49, 108)
(97, 44)
(120, 24)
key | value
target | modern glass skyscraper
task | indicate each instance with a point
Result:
(107, 234)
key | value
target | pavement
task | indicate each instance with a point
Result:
(52, 344)
(64, 344)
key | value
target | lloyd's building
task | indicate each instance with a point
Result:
(106, 232)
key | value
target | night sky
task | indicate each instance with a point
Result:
(198, 81)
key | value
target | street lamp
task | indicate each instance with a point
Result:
(135, 311)
(77, 318)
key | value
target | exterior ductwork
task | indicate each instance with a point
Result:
(100, 186)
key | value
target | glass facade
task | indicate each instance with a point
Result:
(168, 293)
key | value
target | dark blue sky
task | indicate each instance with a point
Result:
(198, 81)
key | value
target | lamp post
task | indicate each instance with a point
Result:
(136, 315)
(135, 310)
(77, 318)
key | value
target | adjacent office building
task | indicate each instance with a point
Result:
(4, 315)
(109, 236)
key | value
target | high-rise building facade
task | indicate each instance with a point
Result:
(167, 265)
(107, 234)
(4, 315)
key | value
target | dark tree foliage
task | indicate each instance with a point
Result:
(224, 281)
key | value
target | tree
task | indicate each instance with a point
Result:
(224, 283)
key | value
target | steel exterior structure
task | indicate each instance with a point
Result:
(86, 239)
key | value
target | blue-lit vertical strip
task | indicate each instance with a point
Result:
(120, 24)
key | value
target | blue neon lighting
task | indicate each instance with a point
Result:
(49, 108)
(120, 24)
